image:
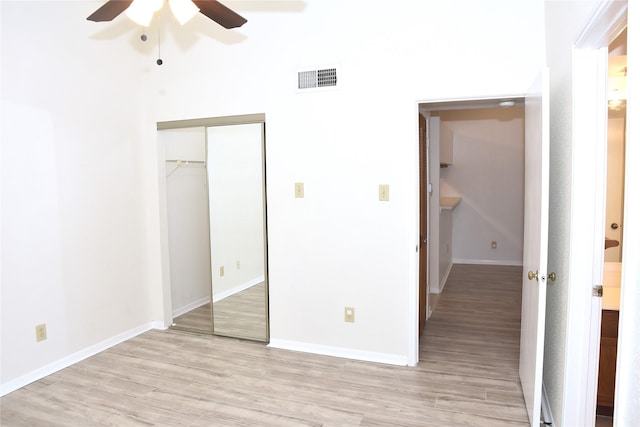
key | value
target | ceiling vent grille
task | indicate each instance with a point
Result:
(327, 77)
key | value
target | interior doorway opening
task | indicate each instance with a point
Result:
(497, 174)
(471, 188)
(613, 228)
(494, 192)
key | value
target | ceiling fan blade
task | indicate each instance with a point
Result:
(109, 10)
(220, 13)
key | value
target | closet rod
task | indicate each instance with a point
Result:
(186, 162)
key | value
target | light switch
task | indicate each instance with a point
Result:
(383, 192)
(299, 190)
(349, 314)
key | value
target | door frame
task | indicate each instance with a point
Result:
(424, 216)
(589, 144)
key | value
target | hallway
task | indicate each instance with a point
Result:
(472, 339)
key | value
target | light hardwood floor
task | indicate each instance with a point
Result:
(467, 376)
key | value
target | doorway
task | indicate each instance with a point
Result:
(613, 229)
(589, 145)
(480, 174)
(472, 189)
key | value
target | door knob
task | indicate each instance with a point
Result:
(552, 276)
(531, 275)
(614, 226)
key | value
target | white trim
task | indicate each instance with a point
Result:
(239, 288)
(159, 325)
(607, 21)
(626, 408)
(76, 357)
(346, 353)
(589, 142)
(547, 415)
(577, 404)
(445, 277)
(488, 262)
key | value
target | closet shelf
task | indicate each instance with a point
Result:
(449, 203)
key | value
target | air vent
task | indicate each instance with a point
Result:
(327, 77)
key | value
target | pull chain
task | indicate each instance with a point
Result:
(159, 61)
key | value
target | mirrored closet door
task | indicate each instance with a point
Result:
(216, 225)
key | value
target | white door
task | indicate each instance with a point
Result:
(536, 224)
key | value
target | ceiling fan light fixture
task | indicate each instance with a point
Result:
(183, 10)
(141, 12)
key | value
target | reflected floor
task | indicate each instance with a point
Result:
(240, 315)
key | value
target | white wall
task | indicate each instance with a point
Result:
(88, 260)
(74, 230)
(339, 245)
(488, 174)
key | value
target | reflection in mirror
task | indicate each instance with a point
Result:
(237, 226)
(216, 225)
(188, 222)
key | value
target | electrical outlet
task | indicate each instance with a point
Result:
(494, 244)
(383, 192)
(41, 332)
(221, 270)
(299, 190)
(349, 314)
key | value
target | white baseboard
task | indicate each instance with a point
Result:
(35, 375)
(239, 288)
(547, 416)
(159, 325)
(445, 277)
(346, 353)
(191, 306)
(488, 262)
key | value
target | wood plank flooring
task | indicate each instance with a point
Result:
(467, 376)
(242, 315)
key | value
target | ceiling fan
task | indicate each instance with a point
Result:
(182, 9)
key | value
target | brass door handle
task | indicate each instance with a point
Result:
(551, 276)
